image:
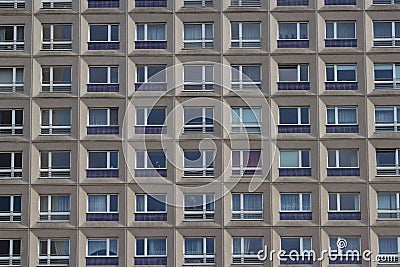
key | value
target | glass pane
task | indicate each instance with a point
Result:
(251, 73)
(62, 75)
(387, 201)
(140, 74)
(5, 117)
(193, 116)
(140, 159)
(383, 72)
(97, 160)
(251, 116)
(61, 117)
(303, 30)
(235, 31)
(349, 202)
(290, 202)
(305, 158)
(252, 245)
(345, 30)
(252, 202)
(140, 202)
(385, 158)
(156, 159)
(97, 247)
(288, 74)
(333, 202)
(97, 203)
(210, 246)
(60, 160)
(5, 202)
(59, 248)
(194, 202)
(114, 33)
(288, 31)
(289, 159)
(113, 116)
(331, 115)
(113, 247)
(303, 73)
(16, 247)
(156, 116)
(290, 243)
(62, 33)
(348, 158)
(156, 32)
(288, 115)
(98, 33)
(330, 73)
(156, 203)
(236, 202)
(347, 115)
(384, 115)
(305, 117)
(251, 31)
(156, 74)
(193, 74)
(140, 32)
(306, 198)
(192, 31)
(97, 74)
(114, 74)
(193, 159)
(382, 30)
(346, 73)
(6, 76)
(114, 160)
(193, 246)
(329, 30)
(140, 246)
(332, 158)
(156, 246)
(98, 117)
(5, 160)
(388, 245)
(46, 32)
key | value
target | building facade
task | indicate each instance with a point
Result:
(133, 132)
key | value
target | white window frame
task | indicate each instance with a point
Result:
(242, 168)
(49, 170)
(146, 112)
(392, 39)
(11, 213)
(108, 206)
(53, 2)
(146, 211)
(204, 256)
(14, 42)
(338, 201)
(109, 26)
(335, 30)
(395, 83)
(11, 259)
(146, 163)
(298, 37)
(148, 79)
(204, 167)
(302, 251)
(51, 83)
(336, 110)
(12, 168)
(203, 125)
(203, 41)
(49, 258)
(52, 42)
(300, 202)
(13, 126)
(298, 67)
(243, 212)
(242, 85)
(298, 116)
(204, 212)
(52, 127)
(108, 117)
(397, 211)
(145, 247)
(14, 85)
(108, 74)
(242, 256)
(203, 82)
(240, 41)
(335, 72)
(396, 121)
(299, 152)
(108, 160)
(337, 165)
(391, 170)
(50, 213)
(242, 126)
(107, 248)
(146, 30)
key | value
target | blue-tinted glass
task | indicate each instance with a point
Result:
(383, 72)
(290, 243)
(303, 73)
(98, 33)
(382, 30)
(235, 31)
(97, 160)
(139, 247)
(210, 246)
(17, 203)
(4, 204)
(345, 30)
(346, 73)
(114, 203)
(140, 74)
(236, 202)
(388, 245)
(305, 116)
(288, 116)
(113, 159)
(330, 73)
(140, 32)
(306, 201)
(156, 116)
(305, 158)
(114, 33)
(333, 202)
(156, 203)
(329, 30)
(114, 247)
(385, 158)
(331, 115)
(157, 159)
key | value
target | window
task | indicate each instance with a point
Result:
(11, 122)
(57, 37)
(246, 162)
(245, 3)
(151, 247)
(54, 252)
(341, 73)
(103, 160)
(150, 121)
(389, 246)
(247, 206)
(103, 75)
(344, 202)
(151, 74)
(340, 30)
(388, 206)
(198, 163)
(10, 165)
(54, 208)
(103, 117)
(388, 162)
(56, 79)
(57, 4)
(103, 3)
(387, 76)
(198, 35)
(387, 119)
(199, 250)
(199, 207)
(11, 79)
(102, 203)
(151, 203)
(150, 32)
(55, 164)
(341, 115)
(245, 35)
(294, 115)
(198, 3)
(245, 249)
(10, 208)
(198, 78)
(353, 244)
(103, 33)
(246, 77)
(151, 164)
(56, 122)
(345, 158)
(293, 31)
(99, 247)
(301, 245)
(294, 159)
(12, 38)
(295, 202)
(198, 120)
(386, 33)
(10, 252)
(12, 4)
(246, 120)
(293, 73)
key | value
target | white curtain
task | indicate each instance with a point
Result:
(287, 31)
(61, 247)
(156, 246)
(140, 202)
(290, 202)
(97, 117)
(60, 204)
(348, 158)
(62, 117)
(382, 30)
(97, 203)
(251, 73)
(345, 30)
(306, 202)
(236, 202)
(252, 202)
(251, 31)
(192, 31)
(384, 115)
(387, 201)
(289, 158)
(97, 247)
(156, 32)
(388, 245)
(193, 246)
(347, 115)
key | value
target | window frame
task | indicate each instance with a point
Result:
(109, 33)
(108, 159)
(204, 167)
(396, 120)
(108, 74)
(146, 211)
(341, 250)
(301, 243)
(336, 112)
(108, 206)
(204, 212)
(240, 41)
(146, 113)
(299, 119)
(48, 257)
(204, 126)
(146, 163)
(146, 254)
(298, 31)
(203, 82)
(337, 159)
(107, 239)
(243, 256)
(14, 126)
(50, 168)
(13, 170)
(11, 213)
(242, 126)
(49, 213)
(53, 83)
(148, 79)
(14, 82)
(394, 211)
(394, 82)
(298, 73)
(109, 110)
(11, 257)
(335, 23)
(145, 32)
(203, 41)
(392, 253)
(393, 28)
(242, 168)
(15, 35)
(53, 42)
(242, 84)
(301, 208)
(52, 127)
(204, 256)
(242, 210)
(338, 202)
(300, 156)
(335, 73)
